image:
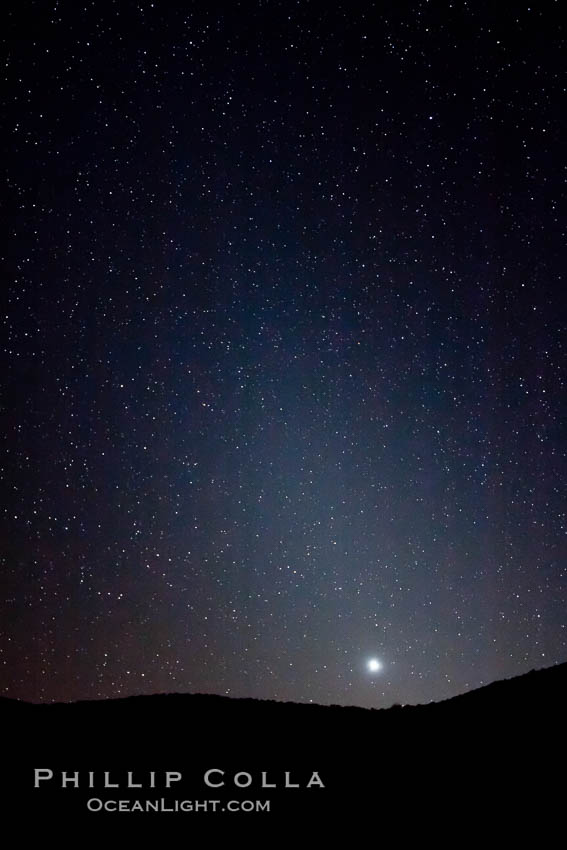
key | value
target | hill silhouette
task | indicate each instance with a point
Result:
(491, 752)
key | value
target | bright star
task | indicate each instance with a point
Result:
(374, 665)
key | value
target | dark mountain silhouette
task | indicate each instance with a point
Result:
(490, 753)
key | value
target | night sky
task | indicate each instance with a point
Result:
(283, 355)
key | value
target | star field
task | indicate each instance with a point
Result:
(283, 349)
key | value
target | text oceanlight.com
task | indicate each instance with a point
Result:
(95, 804)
